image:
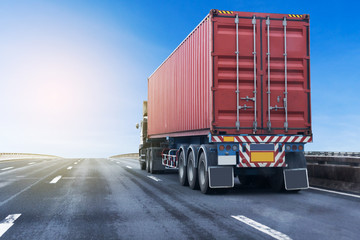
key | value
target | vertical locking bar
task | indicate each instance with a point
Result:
(237, 73)
(286, 92)
(268, 58)
(254, 53)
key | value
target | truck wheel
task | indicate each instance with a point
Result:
(142, 165)
(151, 164)
(182, 170)
(192, 172)
(147, 161)
(203, 175)
(277, 181)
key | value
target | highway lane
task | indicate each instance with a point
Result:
(114, 199)
(5, 164)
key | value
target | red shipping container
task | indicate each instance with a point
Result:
(235, 73)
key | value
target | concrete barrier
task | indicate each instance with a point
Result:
(340, 173)
(13, 156)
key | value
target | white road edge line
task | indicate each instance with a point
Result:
(330, 191)
(129, 167)
(8, 168)
(69, 168)
(262, 228)
(55, 180)
(154, 178)
(31, 163)
(8, 222)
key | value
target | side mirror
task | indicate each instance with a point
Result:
(137, 126)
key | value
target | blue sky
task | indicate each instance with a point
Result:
(73, 74)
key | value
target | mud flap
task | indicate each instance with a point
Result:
(296, 179)
(221, 177)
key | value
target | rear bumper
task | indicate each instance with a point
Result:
(257, 151)
(261, 139)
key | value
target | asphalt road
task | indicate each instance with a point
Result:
(114, 199)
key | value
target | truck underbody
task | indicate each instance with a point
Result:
(208, 165)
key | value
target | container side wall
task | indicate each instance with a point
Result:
(178, 91)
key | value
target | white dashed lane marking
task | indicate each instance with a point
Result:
(8, 222)
(31, 163)
(69, 168)
(55, 180)
(129, 167)
(8, 168)
(154, 178)
(262, 228)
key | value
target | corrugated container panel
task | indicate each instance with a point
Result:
(194, 91)
(178, 91)
(298, 77)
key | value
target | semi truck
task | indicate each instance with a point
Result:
(232, 100)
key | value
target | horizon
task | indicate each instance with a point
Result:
(74, 74)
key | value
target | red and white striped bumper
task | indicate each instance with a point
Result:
(265, 139)
(279, 157)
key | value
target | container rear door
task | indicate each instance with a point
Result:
(246, 100)
(286, 81)
(225, 66)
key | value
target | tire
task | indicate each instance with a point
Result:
(182, 170)
(142, 165)
(192, 172)
(203, 175)
(277, 181)
(147, 160)
(151, 164)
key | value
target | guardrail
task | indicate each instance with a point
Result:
(10, 156)
(345, 154)
(132, 155)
